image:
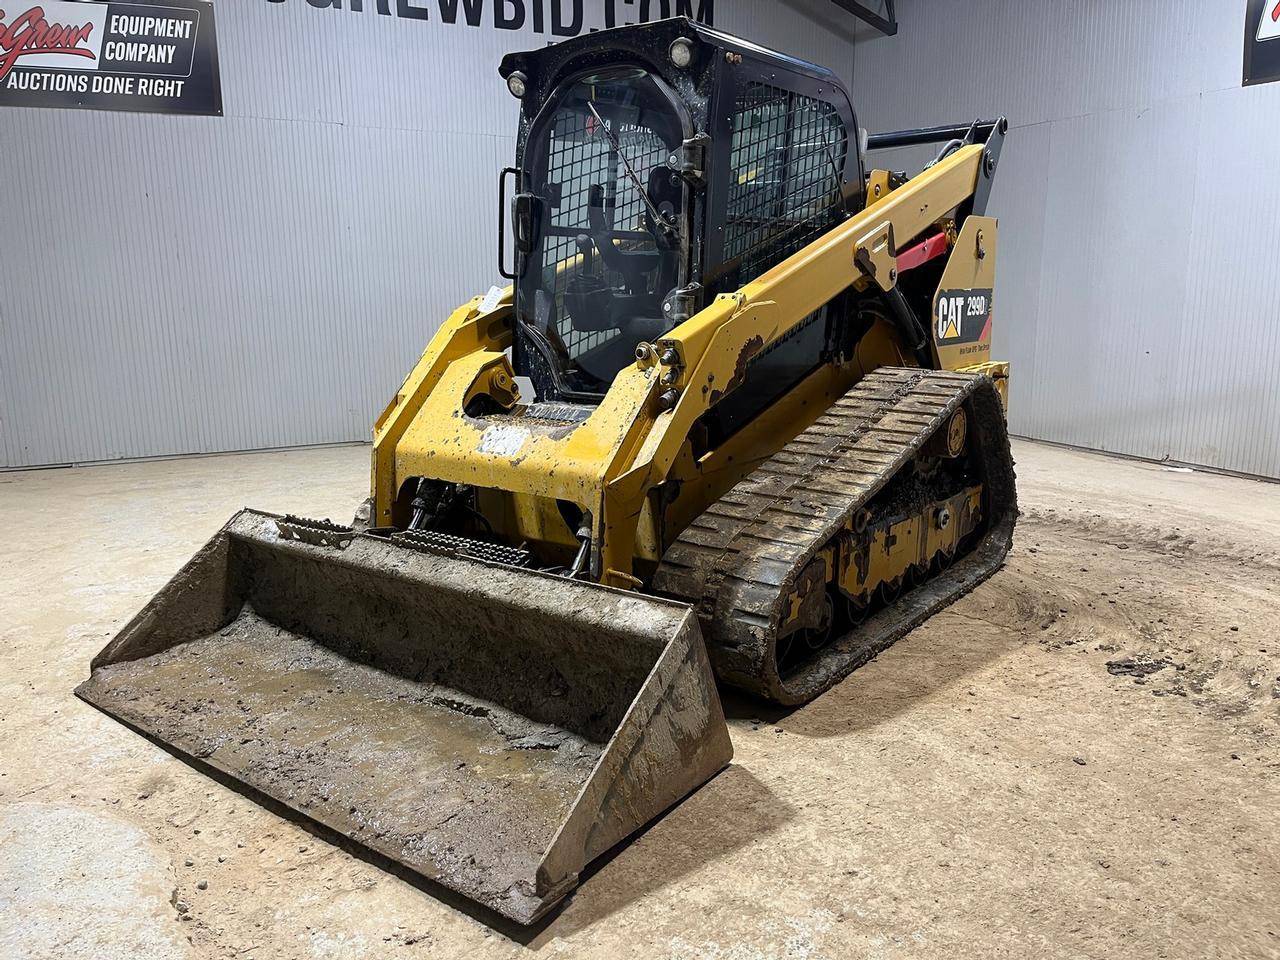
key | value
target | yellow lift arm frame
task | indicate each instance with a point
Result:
(608, 464)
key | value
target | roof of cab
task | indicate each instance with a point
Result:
(657, 37)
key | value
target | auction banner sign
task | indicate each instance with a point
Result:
(147, 57)
(1262, 42)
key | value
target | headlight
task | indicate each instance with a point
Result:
(518, 84)
(681, 52)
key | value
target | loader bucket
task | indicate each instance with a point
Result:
(491, 728)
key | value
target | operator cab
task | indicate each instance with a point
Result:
(657, 166)
(610, 223)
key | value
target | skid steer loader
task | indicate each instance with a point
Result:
(735, 418)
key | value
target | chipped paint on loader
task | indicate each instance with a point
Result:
(492, 729)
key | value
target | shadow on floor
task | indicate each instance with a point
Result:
(925, 664)
(729, 812)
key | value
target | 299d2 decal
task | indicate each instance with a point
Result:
(962, 316)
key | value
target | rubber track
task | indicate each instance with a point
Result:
(738, 561)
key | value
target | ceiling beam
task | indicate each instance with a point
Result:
(886, 23)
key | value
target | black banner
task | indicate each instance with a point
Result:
(1262, 42)
(144, 57)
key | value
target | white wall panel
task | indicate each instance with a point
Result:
(277, 304)
(1227, 407)
(187, 285)
(1112, 279)
(1137, 279)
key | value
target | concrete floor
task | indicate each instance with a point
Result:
(998, 784)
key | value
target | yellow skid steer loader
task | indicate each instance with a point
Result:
(735, 419)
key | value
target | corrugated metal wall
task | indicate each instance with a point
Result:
(1139, 273)
(175, 285)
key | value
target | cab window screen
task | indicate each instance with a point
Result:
(577, 158)
(610, 240)
(786, 162)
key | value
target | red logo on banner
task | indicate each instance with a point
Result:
(30, 33)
